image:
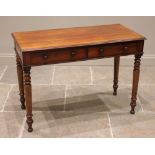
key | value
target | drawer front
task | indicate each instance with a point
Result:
(112, 50)
(36, 58)
(58, 56)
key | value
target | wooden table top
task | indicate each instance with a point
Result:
(73, 37)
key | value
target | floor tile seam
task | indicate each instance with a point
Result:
(91, 75)
(7, 56)
(35, 84)
(148, 84)
(83, 65)
(110, 127)
(110, 112)
(91, 84)
(53, 74)
(9, 111)
(3, 72)
(140, 103)
(79, 84)
(8, 94)
(65, 97)
(22, 128)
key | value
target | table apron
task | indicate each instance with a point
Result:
(71, 54)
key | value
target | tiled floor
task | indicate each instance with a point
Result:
(77, 101)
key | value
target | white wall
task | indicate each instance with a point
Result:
(143, 25)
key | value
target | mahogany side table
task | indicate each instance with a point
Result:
(45, 47)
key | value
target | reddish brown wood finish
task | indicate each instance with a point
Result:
(136, 73)
(116, 73)
(73, 37)
(57, 56)
(53, 56)
(75, 44)
(28, 97)
(20, 81)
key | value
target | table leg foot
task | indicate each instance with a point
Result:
(133, 105)
(136, 73)
(132, 111)
(29, 123)
(115, 91)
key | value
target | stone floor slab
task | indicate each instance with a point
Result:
(4, 89)
(10, 75)
(39, 75)
(10, 124)
(72, 75)
(81, 109)
(2, 70)
(147, 97)
(140, 125)
(44, 98)
(104, 74)
(99, 98)
(68, 124)
(7, 60)
(147, 75)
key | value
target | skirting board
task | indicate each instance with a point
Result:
(147, 60)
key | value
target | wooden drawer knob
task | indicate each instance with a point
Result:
(101, 50)
(73, 53)
(126, 48)
(45, 56)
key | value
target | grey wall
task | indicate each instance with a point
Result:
(143, 25)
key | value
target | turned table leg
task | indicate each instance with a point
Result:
(116, 73)
(20, 81)
(28, 97)
(136, 73)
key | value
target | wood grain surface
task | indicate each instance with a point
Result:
(73, 37)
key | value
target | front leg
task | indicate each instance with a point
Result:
(20, 81)
(136, 73)
(116, 73)
(28, 97)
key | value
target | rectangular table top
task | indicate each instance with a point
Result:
(73, 37)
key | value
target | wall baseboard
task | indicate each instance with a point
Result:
(148, 60)
(7, 54)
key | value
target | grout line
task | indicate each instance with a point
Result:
(7, 97)
(37, 84)
(110, 125)
(11, 111)
(4, 70)
(6, 56)
(91, 75)
(146, 84)
(22, 128)
(66, 87)
(52, 78)
(41, 84)
(82, 84)
(140, 103)
(38, 111)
